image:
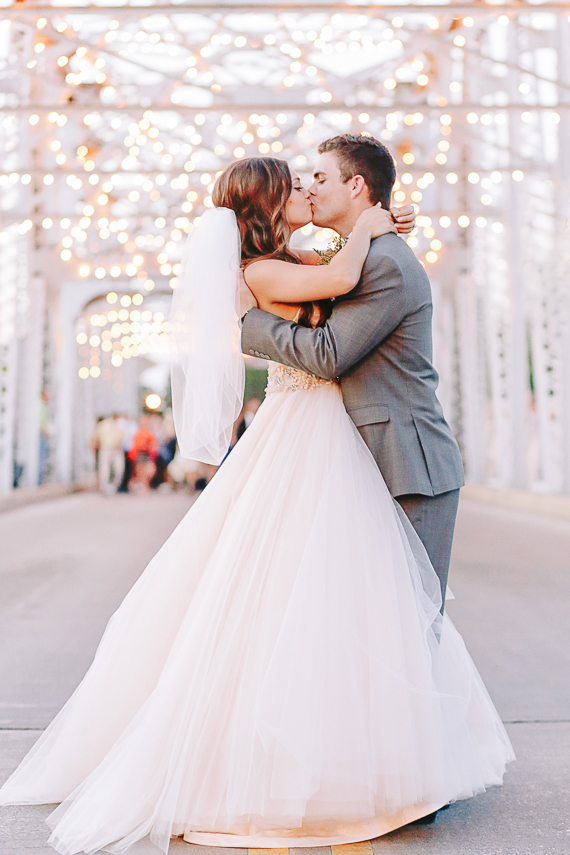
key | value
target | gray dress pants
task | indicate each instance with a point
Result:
(433, 518)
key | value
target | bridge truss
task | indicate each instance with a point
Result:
(115, 120)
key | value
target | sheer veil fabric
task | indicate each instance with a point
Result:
(275, 677)
(207, 367)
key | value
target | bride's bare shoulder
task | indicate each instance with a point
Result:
(259, 271)
(261, 276)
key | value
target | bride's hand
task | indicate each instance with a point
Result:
(247, 300)
(405, 219)
(376, 221)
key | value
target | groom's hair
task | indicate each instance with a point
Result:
(368, 157)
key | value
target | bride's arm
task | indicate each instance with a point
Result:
(281, 282)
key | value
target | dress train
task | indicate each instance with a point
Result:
(279, 674)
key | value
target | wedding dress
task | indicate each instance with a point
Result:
(279, 675)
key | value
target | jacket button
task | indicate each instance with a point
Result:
(251, 353)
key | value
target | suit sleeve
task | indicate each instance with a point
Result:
(358, 324)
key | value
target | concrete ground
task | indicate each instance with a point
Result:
(66, 564)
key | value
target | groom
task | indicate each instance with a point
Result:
(378, 343)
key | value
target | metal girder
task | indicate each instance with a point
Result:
(280, 8)
(297, 107)
(477, 8)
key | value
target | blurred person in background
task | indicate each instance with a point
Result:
(166, 437)
(170, 435)
(129, 428)
(94, 446)
(108, 438)
(250, 408)
(45, 430)
(179, 472)
(156, 425)
(242, 423)
(190, 474)
(143, 454)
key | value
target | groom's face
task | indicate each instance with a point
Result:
(330, 198)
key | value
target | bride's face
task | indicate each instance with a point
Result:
(298, 207)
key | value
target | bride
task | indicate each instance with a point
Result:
(280, 674)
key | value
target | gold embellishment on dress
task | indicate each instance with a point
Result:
(284, 379)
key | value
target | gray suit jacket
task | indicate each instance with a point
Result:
(378, 343)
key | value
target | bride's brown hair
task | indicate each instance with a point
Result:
(257, 190)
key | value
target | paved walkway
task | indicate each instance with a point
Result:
(66, 564)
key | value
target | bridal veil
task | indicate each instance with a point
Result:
(208, 372)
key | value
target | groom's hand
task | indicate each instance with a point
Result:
(246, 299)
(405, 219)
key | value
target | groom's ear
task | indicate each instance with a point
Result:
(358, 186)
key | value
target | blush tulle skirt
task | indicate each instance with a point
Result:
(279, 674)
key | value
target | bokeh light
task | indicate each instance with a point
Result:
(153, 401)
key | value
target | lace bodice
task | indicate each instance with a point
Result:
(281, 378)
